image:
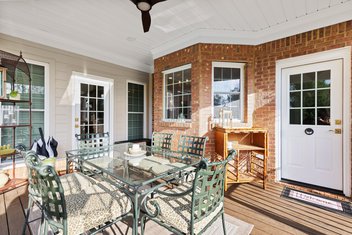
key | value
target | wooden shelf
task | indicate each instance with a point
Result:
(13, 183)
(247, 147)
(8, 154)
(251, 147)
(14, 126)
(2, 100)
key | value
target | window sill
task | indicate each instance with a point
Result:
(173, 124)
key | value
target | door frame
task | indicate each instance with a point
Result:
(343, 53)
(144, 108)
(81, 77)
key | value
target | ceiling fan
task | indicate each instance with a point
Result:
(145, 6)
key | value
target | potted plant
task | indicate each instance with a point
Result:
(14, 95)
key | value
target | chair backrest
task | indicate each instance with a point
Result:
(161, 140)
(50, 189)
(33, 177)
(192, 145)
(92, 140)
(208, 188)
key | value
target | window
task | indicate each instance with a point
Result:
(135, 111)
(177, 96)
(228, 89)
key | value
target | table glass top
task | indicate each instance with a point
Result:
(134, 164)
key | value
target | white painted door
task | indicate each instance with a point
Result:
(311, 123)
(92, 106)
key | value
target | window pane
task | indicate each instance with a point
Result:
(100, 118)
(236, 73)
(84, 103)
(169, 78)
(186, 75)
(187, 112)
(295, 99)
(217, 74)
(295, 82)
(92, 90)
(323, 97)
(323, 117)
(178, 77)
(308, 98)
(324, 79)
(178, 101)
(187, 88)
(100, 92)
(226, 74)
(135, 126)
(92, 104)
(136, 105)
(309, 80)
(295, 116)
(84, 89)
(187, 100)
(308, 116)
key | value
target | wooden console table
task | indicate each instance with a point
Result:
(251, 146)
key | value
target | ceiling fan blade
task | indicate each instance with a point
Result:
(146, 20)
(134, 1)
(153, 2)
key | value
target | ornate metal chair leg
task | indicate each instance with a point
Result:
(26, 216)
(223, 222)
(143, 224)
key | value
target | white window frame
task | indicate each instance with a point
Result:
(173, 70)
(240, 66)
(144, 108)
(20, 162)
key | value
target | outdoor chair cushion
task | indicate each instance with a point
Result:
(94, 206)
(76, 182)
(176, 211)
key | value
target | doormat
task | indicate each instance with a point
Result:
(330, 204)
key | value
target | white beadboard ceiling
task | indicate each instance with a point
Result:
(111, 30)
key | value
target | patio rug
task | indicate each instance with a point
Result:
(326, 203)
(233, 226)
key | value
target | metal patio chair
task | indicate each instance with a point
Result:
(75, 208)
(191, 209)
(194, 145)
(161, 141)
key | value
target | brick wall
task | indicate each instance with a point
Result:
(259, 75)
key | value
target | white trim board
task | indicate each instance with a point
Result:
(343, 53)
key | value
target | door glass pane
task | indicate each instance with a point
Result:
(323, 97)
(323, 116)
(323, 79)
(84, 104)
(308, 98)
(92, 91)
(84, 118)
(101, 118)
(295, 116)
(295, 99)
(308, 116)
(309, 80)
(100, 105)
(92, 104)
(100, 92)
(295, 82)
(84, 89)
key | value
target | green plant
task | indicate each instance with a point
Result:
(13, 93)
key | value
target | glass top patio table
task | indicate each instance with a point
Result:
(137, 169)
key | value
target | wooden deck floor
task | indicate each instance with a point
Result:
(265, 209)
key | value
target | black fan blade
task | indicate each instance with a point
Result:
(134, 1)
(153, 2)
(146, 20)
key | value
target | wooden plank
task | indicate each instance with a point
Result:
(331, 216)
(3, 216)
(14, 213)
(276, 208)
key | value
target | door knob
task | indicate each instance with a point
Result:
(309, 131)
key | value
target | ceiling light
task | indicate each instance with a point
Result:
(144, 6)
